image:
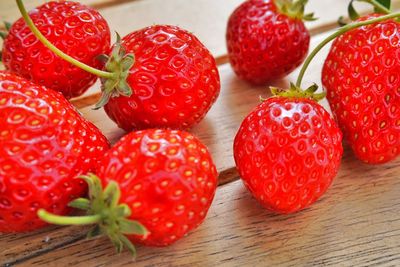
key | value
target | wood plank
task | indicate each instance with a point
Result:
(205, 18)
(217, 131)
(237, 99)
(9, 11)
(357, 223)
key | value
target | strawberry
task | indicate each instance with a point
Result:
(157, 77)
(288, 150)
(361, 76)
(78, 30)
(44, 145)
(267, 39)
(163, 181)
(174, 80)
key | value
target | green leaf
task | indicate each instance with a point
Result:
(7, 25)
(319, 97)
(80, 203)
(116, 240)
(131, 227)
(128, 244)
(95, 187)
(96, 231)
(275, 90)
(112, 194)
(105, 97)
(353, 14)
(128, 62)
(123, 211)
(3, 35)
(310, 17)
(124, 88)
(312, 89)
(102, 58)
(385, 3)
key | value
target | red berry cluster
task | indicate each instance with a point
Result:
(157, 183)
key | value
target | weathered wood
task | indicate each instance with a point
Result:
(357, 223)
(219, 127)
(9, 11)
(217, 131)
(205, 18)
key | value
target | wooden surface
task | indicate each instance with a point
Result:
(357, 223)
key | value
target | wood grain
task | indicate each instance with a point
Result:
(357, 223)
(217, 131)
(9, 11)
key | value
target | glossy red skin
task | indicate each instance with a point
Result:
(264, 45)
(44, 145)
(175, 80)
(167, 178)
(288, 152)
(361, 76)
(79, 31)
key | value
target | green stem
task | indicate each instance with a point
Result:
(377, 5)
(55, 50)
(341, 31)
(67, 220)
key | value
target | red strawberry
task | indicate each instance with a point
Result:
(79, 31)
(267, 39)
(44, 145)
(288, 151)
(164, 180)
(158, 77)
(361, 76)
(174, 80)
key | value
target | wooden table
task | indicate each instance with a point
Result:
(357, 223)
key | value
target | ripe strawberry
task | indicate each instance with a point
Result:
(158, 77)
(164, 181)
(361, 76)
(174, 80)
(288, 151)
(79, 31)
(267, 39)
(44, 145)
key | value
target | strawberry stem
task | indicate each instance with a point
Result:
(55, 50)
(341, 31)
(68, 220)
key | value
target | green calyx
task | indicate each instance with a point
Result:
(294, 9)
(119, 63)
(104, 210)
(296, 92)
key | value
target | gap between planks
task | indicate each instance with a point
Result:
(228, 175)
(233, 90)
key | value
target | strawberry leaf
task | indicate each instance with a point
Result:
(385, 3)
(7, 25)
(132, 227)
(353, 14)
(80, 203)
(3, 35)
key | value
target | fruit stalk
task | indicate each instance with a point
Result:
(333, 36)
(68, 220)
(55, 50)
